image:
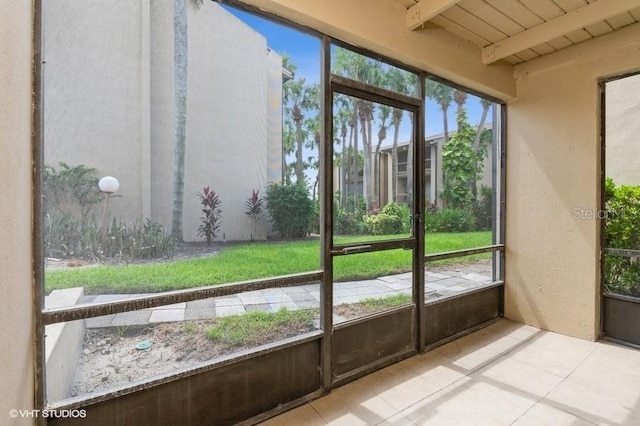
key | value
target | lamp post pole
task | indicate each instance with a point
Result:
(108, 185)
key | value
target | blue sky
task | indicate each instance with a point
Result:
(304, 51)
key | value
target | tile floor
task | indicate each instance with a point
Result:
(505, 374)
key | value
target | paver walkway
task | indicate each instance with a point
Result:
(444, 283)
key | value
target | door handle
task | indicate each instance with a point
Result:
(352, 250)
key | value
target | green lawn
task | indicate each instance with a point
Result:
(252, 261)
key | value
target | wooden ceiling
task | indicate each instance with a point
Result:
(520, 30)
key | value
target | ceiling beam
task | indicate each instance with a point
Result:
(563, 24)
(424, 10)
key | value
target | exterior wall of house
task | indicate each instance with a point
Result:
(109, 105)
(16, 316)
(552, 267)
(623, 130)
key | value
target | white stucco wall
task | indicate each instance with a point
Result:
(552, 272)
(623, 130)
(93, 80)
(109, 105)
(226, 119)
(16, 316)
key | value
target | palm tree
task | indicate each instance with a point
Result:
(384, 113)
(299, 97)
(476, 142)
(460, 98)
(397, 81)
(365, 70)
(312, 131)
(180, 64)
(443, 95)
(288, 146)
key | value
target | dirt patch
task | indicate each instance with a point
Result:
(110, 358)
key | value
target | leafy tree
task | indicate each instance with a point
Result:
(460, 164)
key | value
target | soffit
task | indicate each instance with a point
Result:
(521, 30)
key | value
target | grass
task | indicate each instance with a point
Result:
(256, 327)
(253, 261)
(382, 303)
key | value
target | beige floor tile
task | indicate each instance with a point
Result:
(591, 405)
(399, 386)
(469, 403)
(353, 404)
(514, 376)
(466, 360)
(514, 330)
(435, 368)
(397, 420)
(619, 358)
(543, 415)
(303, 415)
(624, 386)
(554, 353)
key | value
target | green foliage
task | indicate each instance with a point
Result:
(290, 209)
(449, 220)
(622, 230)
(254, 207)
(257, 327)
(69, 196)
(122, 242)
(349, 223)
(392, 209)
(461, 165)
(254, 261)
(482, 209)
(389, 302)
(212, 219)
(383, 224)
(70, 230)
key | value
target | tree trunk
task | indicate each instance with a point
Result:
(180, 57)
(476, 144)
(299, 159)
(394, 155)
(439, 169)
(355, 155)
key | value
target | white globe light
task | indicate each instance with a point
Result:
(108, 184)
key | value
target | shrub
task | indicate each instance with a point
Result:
(253, 208)
(383, 224)
(69, 196)
(70, 228)
(212, 219)
(349, 223)
(622, 230)
(392, 209)
(449, 220)
(123, 242)
(290, 209)
(482, 210)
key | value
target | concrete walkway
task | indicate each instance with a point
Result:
(445, 282)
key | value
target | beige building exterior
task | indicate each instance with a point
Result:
(553, 166)
(109, 105)
(623, 130)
